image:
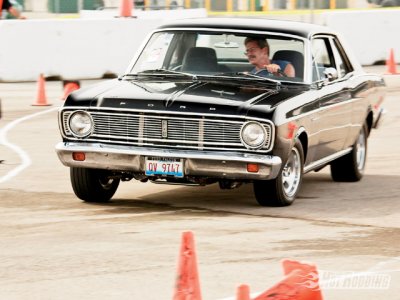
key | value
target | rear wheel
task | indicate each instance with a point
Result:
(282, 190)
(92, 185)
(350, 168)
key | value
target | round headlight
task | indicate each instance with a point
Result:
(80, 124)
(253, 135)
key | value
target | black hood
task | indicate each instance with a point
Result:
(199, 97)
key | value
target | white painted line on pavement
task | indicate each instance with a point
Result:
(26, 161)
(380, 267)
(376, 269)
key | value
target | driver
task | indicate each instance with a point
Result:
(257, 52)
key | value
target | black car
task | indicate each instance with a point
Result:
(189, 111)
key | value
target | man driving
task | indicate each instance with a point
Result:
(257, 52)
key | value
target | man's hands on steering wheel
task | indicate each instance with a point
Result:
(275, 69)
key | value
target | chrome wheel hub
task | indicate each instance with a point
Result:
(291, 173)
(361, 151)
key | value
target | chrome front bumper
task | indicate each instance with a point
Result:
(226, 165)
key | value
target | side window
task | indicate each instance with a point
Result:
(341, 67)
(343, 63)
(322, 57)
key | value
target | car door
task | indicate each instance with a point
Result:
(334, 117)
(363, 88)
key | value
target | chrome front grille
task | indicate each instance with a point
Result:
(185, 130)
(175, 131)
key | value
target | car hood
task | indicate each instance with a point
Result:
(215, 97)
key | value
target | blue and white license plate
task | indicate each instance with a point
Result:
(163, 166)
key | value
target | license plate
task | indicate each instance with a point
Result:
(164, 166)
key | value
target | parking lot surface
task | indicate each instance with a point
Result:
(56, 247)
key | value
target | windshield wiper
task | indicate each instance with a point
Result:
(159, 72)
(247, 74)
(250, 75)
(167, 72)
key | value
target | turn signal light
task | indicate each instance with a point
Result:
(253, 168)
(79, 156)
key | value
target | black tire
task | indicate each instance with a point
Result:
(350, 168)
(92, 185)
(282, 190)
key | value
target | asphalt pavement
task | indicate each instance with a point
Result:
(56, 247)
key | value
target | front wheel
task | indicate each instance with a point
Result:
(350, 168)
(92, 185)
(282, 190)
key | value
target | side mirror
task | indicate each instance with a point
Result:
(331, 74)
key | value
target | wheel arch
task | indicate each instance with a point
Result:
(303, 138)
(369, 121)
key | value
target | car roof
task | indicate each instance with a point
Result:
(301, 29)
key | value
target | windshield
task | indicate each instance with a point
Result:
(220, 54)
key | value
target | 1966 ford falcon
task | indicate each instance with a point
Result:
(193, 109)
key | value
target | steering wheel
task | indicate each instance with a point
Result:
(283, 74)
(279, 72)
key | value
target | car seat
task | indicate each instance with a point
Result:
(294, 57)
(200, 59)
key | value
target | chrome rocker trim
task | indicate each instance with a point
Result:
(229, 165)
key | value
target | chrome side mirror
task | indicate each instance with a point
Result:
(331, 74)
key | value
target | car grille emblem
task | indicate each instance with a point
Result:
(164, 128)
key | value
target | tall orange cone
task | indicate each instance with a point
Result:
(41, 99)
(243, 292)
(126, 7)
(391, 63)
(69, 87)
(187, 281)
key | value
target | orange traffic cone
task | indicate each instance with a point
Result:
(126, 7)
(187, 281)
(287, 288)
(243, 292)
(69, 87)
(41, 99)
(391, 63)
(310, 274)
(300, 283)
